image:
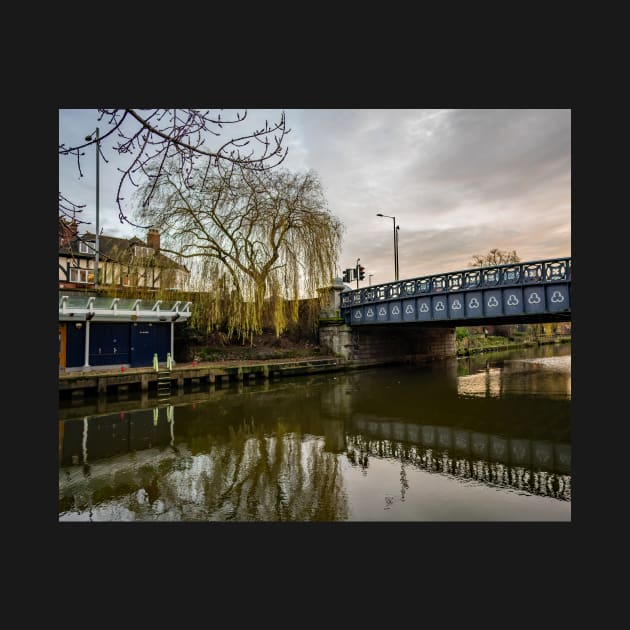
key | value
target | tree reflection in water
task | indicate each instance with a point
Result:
(255, 476)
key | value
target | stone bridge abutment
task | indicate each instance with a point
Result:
(377, 345)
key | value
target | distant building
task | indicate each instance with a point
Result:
(122, 262)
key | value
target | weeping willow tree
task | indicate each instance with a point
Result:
(255, 241)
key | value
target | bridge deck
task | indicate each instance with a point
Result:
(516, 292)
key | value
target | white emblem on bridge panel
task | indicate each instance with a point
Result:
(534, 298)
(395, 310)
(409, 309)
(456, 305)
(493, 301)
(512, 300)
(439, 306)
(370, 313)
(382, 311)
(474, 303)
(358, 315)
(557, 297)
(424, 308)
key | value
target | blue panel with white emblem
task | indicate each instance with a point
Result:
(493, 303)
(534, 299)
(395, 311)
(409, 310)
(370, 313)
(473, 304)
(513, 301)
(423, 309)
(381, 312)
(440, 310)
(557, 297)
(456, 306)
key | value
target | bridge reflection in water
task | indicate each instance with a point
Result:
(533, 466)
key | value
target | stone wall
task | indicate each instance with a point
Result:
(374, 345)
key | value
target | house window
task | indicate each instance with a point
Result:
(85, 248)
(140, 251)
(81, 275)
(130, 280)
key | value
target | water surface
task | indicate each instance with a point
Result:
(485, 438)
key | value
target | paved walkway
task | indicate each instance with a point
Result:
(117, 369)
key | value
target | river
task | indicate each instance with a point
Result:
(484, 438)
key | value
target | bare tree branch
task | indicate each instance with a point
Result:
(152, 137)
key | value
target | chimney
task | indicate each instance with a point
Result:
(153, 239)
(68, 231)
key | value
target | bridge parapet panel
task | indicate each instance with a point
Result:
(456, 305)
(439, 307)
(534, 299)
(423, 309)
(474, 304)
(493, 303)
(557, 297)
(491, 277)
(513, 301)
(381, 313)
(409, 287)
(395, 311)
(532, 273)
(510, 275)
(472, 279)
(409, 310)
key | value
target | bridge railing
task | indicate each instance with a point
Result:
(521, 273)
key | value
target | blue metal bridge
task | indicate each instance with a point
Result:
(512, 293)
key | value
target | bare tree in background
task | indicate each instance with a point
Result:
(494, 257)
(257, 236)
(153, 137)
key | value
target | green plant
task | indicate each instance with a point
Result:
(461, 333)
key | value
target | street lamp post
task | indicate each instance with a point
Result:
(397, 261)
(96, 244)
(379, 214)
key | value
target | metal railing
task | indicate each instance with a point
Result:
(521, 273)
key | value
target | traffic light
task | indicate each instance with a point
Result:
(345, 276)
(349, 275)
(361, 272)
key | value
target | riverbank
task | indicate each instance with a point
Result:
(105, 379)
(101, 380)
(477, 345)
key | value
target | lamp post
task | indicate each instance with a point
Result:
(379, 214)
(96, 244)
(397, 261)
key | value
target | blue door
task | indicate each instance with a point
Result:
(143, 344)
(109, 344)
(75, 344)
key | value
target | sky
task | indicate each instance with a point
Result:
(459, 182)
